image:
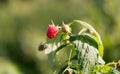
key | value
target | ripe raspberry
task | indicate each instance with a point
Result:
(52, 31)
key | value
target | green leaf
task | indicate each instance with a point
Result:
(52, 45)
(114, 71)
(62, 58)
(96, 37)
(108, 68)
(105, 69)
(85, 38)
(57, 58)
(87, 52)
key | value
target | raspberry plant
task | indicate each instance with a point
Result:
(80, 53)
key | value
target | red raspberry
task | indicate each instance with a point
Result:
(52, 31)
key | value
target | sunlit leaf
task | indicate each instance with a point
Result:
(87, 52)
(96, 37)
(52, 45)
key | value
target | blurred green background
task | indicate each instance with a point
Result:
(23, 25)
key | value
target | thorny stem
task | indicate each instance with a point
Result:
(112, 63)
(69, 62)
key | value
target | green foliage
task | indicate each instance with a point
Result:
(23, 26)
(87, 54)
(106, 69)
(82, 54)
(96, 36)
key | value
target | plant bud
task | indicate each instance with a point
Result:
(42, 46)
(66, 28)
(69, 71)
(118, 65)
(91, 32)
